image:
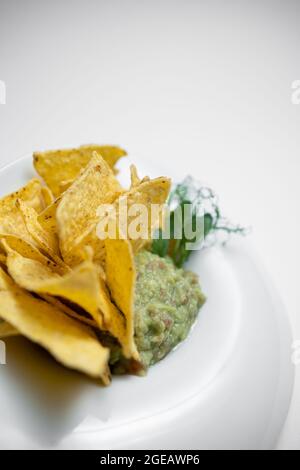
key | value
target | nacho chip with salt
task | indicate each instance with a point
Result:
(152, 194)
(2, 259)
(11, 220)
(144, 205)
(59, 168)
(76, 214)
(47, 218)
(46, 241)
(24, 248)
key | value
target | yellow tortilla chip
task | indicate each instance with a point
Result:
(146, 194)
(77, 256)
(46, 241)
(116, 324)
(47, 218)
(69, 311)
(12, 245)
(121, 277)
(83, 286)
(33, 193)
(48, 197)
(6, 281)
(149, 193)
(60, 166)
(2, 259)
(79, 286)
(76, 214)
(24, 248)
(71, 343)
(11, 220)
(6, 330)
(135, 179)
(64, 185)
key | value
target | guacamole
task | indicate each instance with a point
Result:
(167, 301)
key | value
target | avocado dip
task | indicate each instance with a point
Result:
(167, 301)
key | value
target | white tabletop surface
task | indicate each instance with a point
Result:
(205, 87)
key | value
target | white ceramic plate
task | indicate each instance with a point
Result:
(227, 386)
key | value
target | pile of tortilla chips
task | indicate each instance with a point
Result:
(60, 285)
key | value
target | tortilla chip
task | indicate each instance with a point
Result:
(6, 330)
(134, 177)
(76, 214)
(121, 277)
(32, 193)
(115, 323)
(83, 286)
(47, 242)
(71, 343)
(79, 286)
(64, 185)
(47, 218)
(59, 167)
(11, 221)
(69, 311)
(6, 282)
(148, 193)
(14, 246)
(12, 243)
(48, 196)
(2, 260)
(77, 256)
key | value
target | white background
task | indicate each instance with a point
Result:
(203, 86)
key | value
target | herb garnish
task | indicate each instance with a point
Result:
(197, 206)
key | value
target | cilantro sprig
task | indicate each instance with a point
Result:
(198, 208)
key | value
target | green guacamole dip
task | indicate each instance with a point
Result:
(167, 301)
